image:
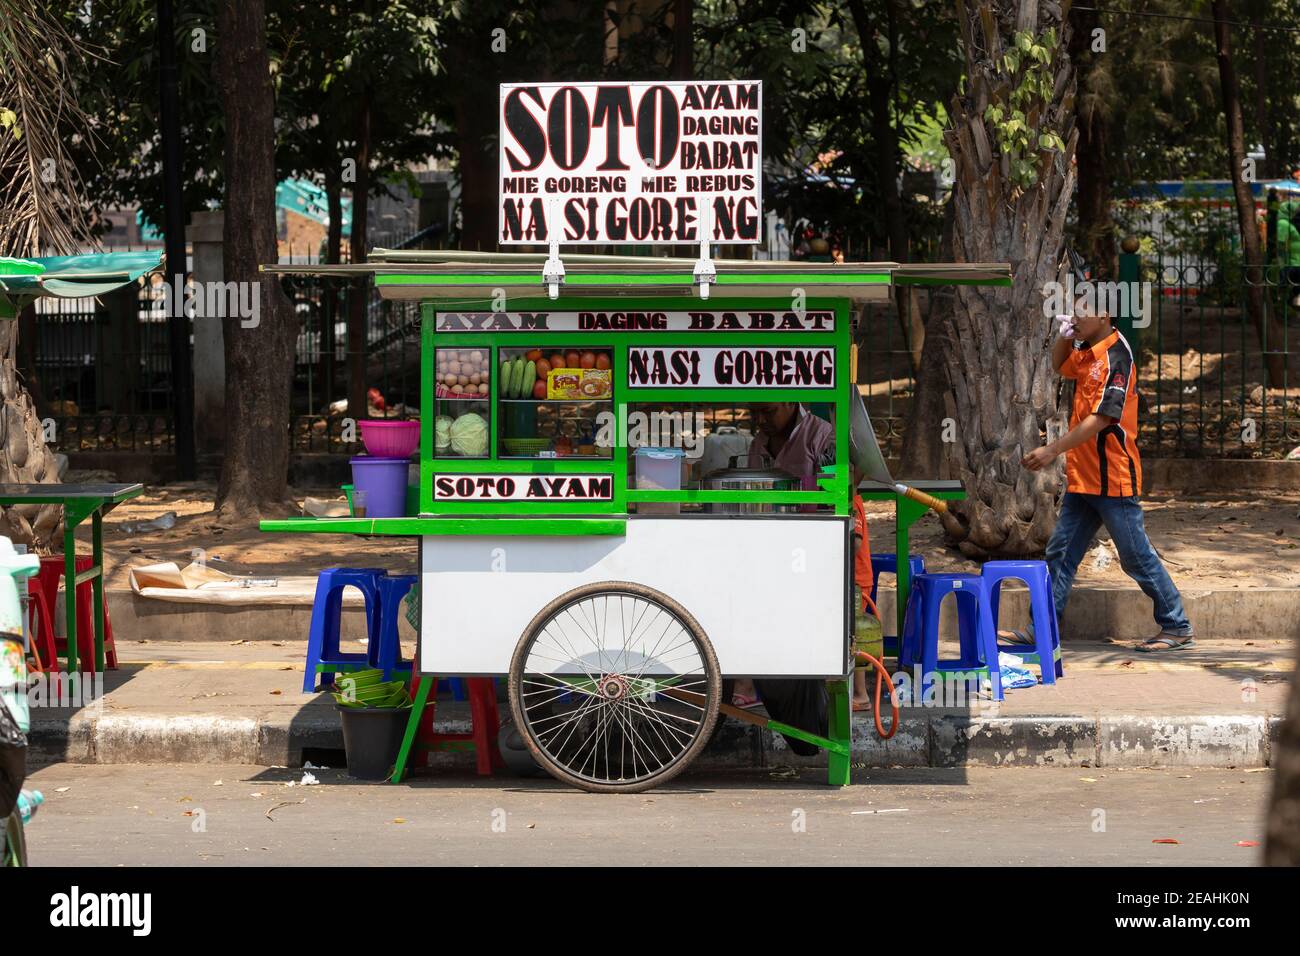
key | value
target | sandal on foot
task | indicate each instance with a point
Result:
(744, 701)
(1166, 642)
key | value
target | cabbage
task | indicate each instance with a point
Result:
(469, 435)
(442, 432)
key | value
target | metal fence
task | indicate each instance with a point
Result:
(1204, 383)
(1202, 372)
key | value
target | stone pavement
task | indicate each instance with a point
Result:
(211, 702)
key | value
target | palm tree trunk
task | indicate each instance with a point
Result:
(1009, 206)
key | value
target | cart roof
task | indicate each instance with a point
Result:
(451, 275)
(74, 276)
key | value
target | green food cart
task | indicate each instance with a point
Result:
(554, 554)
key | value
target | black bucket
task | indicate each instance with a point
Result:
(372, 736)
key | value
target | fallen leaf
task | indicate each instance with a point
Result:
(236, 643)
(1255, 770)
(274, 692)
(1088, 779)
(218, 783)
(399, 819)
(1166, 840)
(1246, 843)
(532, 826)
(62, 789)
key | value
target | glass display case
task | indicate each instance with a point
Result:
(555, 403)
(462, 399)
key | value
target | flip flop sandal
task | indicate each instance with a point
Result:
(744, 701)
(1021, 638)
(1165, 642)
(860, 708)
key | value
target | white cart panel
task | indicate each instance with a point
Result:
(770, 593)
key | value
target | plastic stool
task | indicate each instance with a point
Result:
(455, 686)
(1047, 633)
(888, 564)
(975, 632)
(52, 571)
(40, 624)
(384, 649)
(326, 612)
(485, 725)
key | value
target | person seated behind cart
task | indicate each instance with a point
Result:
(794, 440)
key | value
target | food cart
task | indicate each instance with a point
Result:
(616, 609)
(563, 541)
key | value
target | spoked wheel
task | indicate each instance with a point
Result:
(615, 687)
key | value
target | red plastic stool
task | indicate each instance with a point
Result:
(485, 724)
(40, 624)
(52, 571)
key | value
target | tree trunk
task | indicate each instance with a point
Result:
(1096, 228)
(478, 172)
(330, 290)
(24, 456)
(1271, 334)
(1002, 388)
(1283, 846)
(259, 357)
(359, 301)
(922, 455)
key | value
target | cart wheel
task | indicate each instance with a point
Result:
(615, 687)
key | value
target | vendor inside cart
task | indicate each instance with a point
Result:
(794, 440)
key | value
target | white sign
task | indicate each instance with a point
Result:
(747, 321)
(523, 487)
(730, 368)
(631, 162)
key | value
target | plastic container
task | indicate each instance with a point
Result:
(372, 736)
(390, 438)
(384, 482)
(412, 499)
(659, 469)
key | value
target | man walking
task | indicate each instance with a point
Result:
(1104, 474)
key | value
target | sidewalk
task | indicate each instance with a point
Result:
(1217, 705)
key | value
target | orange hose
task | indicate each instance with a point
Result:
(865, 658)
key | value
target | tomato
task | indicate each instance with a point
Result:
(556, 360)
(543, 367)
(587, 360)
(571, 360)
(539, 388)
(602, 361)
(533, 355)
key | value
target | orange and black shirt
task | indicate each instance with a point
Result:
(1105, 383)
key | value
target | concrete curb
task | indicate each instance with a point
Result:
(936, 739)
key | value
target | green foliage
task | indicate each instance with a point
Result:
(1015, 115)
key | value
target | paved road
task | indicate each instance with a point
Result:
(241, 815)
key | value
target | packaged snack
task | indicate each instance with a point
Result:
(564, 383)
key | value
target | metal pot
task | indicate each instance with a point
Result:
(735, 478)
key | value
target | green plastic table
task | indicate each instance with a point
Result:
(906, 511)
(79, 503)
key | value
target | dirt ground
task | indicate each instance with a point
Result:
(1247, 540)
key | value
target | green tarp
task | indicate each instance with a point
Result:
(69, 277)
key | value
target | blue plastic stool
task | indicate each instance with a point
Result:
(888, 563)
(454, 686)
(976, 635)
(326, 611)
(384, 649)
(1047, 633)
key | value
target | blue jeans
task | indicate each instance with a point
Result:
(1081, 516)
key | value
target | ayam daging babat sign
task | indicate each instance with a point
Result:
(631, 162)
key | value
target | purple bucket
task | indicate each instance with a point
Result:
(384, 482)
